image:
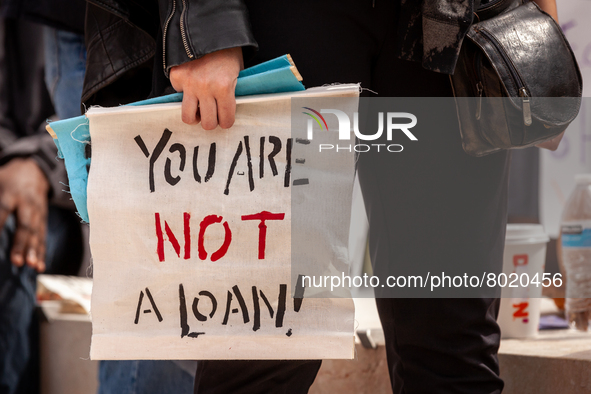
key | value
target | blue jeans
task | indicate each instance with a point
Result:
(17, 304)
(65, 64)
(18, 322)
(146, 377)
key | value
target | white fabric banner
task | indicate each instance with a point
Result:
(190, 233)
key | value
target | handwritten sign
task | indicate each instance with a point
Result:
(191, 236)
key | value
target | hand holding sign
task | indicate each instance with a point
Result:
(208, 84)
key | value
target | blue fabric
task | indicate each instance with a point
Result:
(146, 377)
(272, 81)
(273, 76)
(273, 64)
(74, 136)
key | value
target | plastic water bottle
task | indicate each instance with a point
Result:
(576, 252)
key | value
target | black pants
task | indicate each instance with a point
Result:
(432, 203)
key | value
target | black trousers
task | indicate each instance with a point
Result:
(433, 203)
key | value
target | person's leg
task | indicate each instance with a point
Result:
(441, 345)
(255, 376)
(434, 203)
(144, 377)
(414, 219)
(17, 302)
(18, 342)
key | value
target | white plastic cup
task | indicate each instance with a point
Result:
(525, 255)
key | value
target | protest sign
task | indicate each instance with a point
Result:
(191, 235)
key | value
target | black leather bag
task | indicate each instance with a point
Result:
(516, 82)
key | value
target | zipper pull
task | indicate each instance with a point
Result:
(479, 88)
(526, 107)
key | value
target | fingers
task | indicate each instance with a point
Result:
(23, 192)
(29, 238)
(551, 144)
(209, 113)
(189, 109)
(35, 257)
(19, 245)
(5, 211)
(226, 105)
(41, 249)
(208, 84)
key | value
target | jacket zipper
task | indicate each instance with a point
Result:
(164, 35)
(479, 104)
(479, 88)
(184, 33)
(523, 92)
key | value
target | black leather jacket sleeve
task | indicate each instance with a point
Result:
(194, 28)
